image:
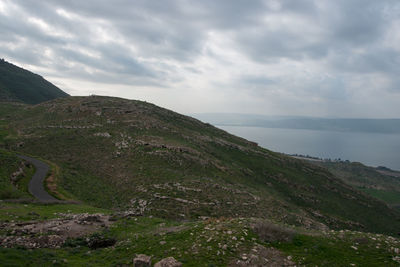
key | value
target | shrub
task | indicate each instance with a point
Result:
(269, 232)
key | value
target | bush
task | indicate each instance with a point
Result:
(95, 241)
(269, 232)
(98, 241)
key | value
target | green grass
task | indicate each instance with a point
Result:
(23, 183)
(390, 197)
(199, 243)
(340, 249)
(10, 163)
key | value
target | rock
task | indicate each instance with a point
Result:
(103, 134)
(142, 260)
(168, 262)
(101, 242)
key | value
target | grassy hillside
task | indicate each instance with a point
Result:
(17, 84)
(132, 155)
(380, 183)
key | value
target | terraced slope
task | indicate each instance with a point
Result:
(132, 155)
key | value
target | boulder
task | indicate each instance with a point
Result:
(168, 262)
(142, 260)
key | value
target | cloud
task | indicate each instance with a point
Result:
(261, 56)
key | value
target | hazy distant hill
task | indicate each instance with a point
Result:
(309, 123)
(17, 84)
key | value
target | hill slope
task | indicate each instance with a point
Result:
(117, 153)
(380, 182)
(17, 84)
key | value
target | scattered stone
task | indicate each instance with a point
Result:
(142, 260)
(168, 262)
(54, 233)
(103, 134)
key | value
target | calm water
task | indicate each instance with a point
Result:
(369, 148)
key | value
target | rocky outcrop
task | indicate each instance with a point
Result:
(142, 260)
(53, 233)
(168, 262)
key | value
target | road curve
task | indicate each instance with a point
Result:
(36, 184)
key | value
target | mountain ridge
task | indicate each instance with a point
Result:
(21, 85)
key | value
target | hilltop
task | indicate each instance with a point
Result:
(132, 155)
(20, 85)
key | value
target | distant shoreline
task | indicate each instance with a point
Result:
(381, 169)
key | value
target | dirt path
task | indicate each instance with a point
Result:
(36, 184)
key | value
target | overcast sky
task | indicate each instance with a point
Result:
(338, 58)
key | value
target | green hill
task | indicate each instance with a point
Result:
(17, 84)
(381, 183)
(132, 155)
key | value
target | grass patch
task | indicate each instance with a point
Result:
(341, 249)
(10, 163)
(269, 232)
(390, 197)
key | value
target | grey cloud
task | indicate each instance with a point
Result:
(150, 42)
(305, 7)
(357, 22)
(114, 58)
(269, 46)
(257, 80)
(370, 61)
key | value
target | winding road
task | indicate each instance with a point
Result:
(36, 184)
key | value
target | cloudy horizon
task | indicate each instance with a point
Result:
(290, 57)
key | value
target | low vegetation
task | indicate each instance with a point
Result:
(14, 176)
(210, 242)
(381, 183)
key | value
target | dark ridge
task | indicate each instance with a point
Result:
(20, 85)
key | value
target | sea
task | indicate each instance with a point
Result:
(372, 149)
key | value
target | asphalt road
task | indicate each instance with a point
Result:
(36, 184)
